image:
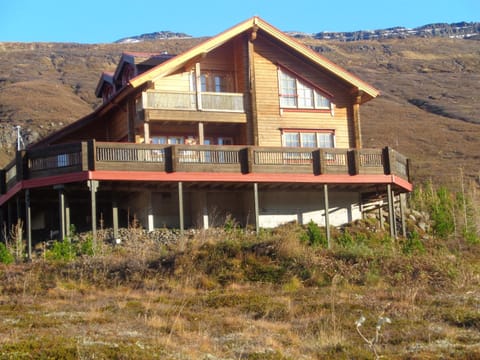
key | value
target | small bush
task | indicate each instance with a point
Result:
(345, 239)
(314, 236)
(6, 256)
(413, 244)
(62, 251)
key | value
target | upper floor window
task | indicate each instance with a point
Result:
(308, 138)
(299, 94)
(216, 81)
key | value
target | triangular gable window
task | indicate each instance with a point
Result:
(296, 93)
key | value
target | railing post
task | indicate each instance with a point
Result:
(251, 159)
(21, 164)
(322, 163)
(316, 162)
(244, 158)
(174, 156)
(407, 169)
(85, 156)
(388, 160)
(92, 156)
(354, 161)
(3, 182)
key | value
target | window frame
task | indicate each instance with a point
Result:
(296, 98)
(300, 142)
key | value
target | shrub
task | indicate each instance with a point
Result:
(62, 251)
(442, 213)
(413, 244)
(6, 256)
(314, 236)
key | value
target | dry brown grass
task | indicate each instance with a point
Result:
(230, 295)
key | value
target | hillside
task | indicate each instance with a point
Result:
(427, 108)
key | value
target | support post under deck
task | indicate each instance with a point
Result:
(327, 215)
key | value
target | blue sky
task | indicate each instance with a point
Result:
(101, 21)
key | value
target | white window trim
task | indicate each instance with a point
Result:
(305, 84)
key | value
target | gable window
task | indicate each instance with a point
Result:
(308, 138)
(296, 93)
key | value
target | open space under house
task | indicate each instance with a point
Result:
(249, 124)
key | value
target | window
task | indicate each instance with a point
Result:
(309, 138)
(299, 94)
(211, 81)
(291, 139)
(164, 140)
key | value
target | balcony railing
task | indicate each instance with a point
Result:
(92, 155)
(207, 101)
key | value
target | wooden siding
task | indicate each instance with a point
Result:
(271, 119)
(175, 82)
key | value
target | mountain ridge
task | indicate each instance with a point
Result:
(460, 29)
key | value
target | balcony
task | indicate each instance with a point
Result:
(205, 101)
(240, 159)
(188, 106)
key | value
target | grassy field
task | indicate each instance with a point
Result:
(231, 294)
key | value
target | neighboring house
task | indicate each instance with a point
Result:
(249, 124)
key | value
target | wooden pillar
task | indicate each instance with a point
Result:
(93, 186)
(257, 207)
(380, 214)
(202, 198)
(2, 225)
(394, 216)
(28, 220)
(253, 133)
(115, 221)
(198, 85)
(9, 217)
(391, 220)
(146, 131)
(131, 110)
(68, 230)
(150, 216)
(180, 207)
(201, 134)
(402, 214)
(327, 214)
(19, 208)
(356, 120)
(61, 211)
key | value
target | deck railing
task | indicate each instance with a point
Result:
(183, 100)
(92, 155)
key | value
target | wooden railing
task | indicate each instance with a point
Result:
(209, 101)
(207, 158)
(92, 155)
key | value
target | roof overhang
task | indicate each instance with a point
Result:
(255, 24)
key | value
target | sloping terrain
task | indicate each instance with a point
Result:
(428, 108)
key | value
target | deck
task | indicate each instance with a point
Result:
(61, 160)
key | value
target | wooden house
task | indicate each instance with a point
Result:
(249, 124)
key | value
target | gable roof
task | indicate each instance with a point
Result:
(105, 78)
(251, 24)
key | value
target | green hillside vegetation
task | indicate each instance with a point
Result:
(228, 293)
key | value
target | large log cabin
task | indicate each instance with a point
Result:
(249, 124)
